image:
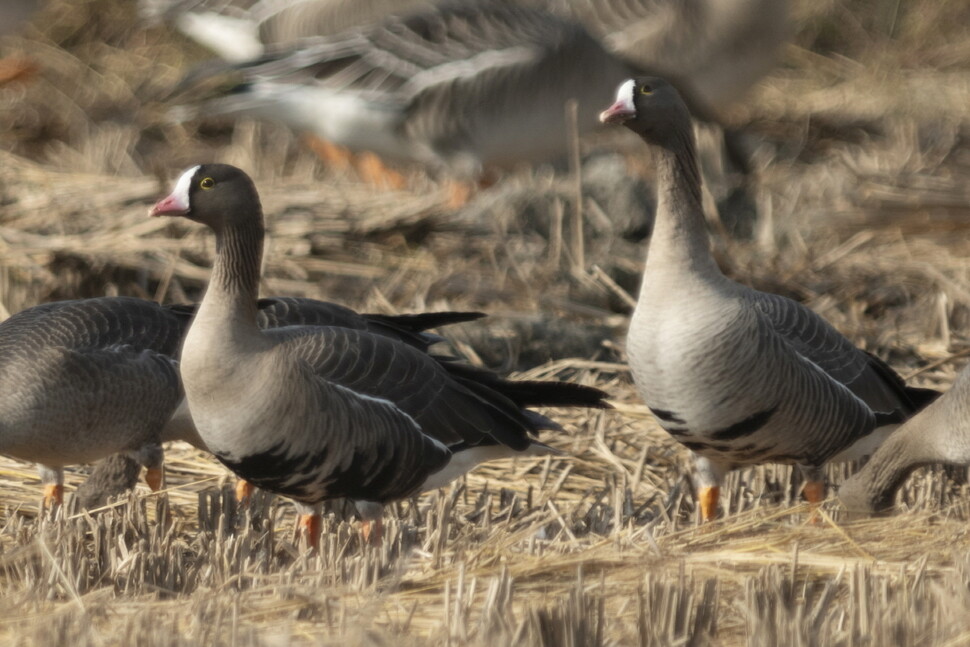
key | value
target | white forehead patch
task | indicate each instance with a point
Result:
(181, 190)
(624, 94)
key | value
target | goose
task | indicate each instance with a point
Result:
(83, 379)
(460, 89)
(738, 376)
(940, 433)
(238, 30)
(319, 412)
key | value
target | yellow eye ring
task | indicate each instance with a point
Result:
(646, 89)
(207, 183)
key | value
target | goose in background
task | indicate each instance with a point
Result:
(461, 89)
(320, 412)
(238, 30)
(940, 433)
(738, 376)
(80, 380)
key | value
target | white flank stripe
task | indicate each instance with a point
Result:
(388, 403)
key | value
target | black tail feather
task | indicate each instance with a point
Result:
(425, 320)
(920, 397)
(531, 393)
(917, 398)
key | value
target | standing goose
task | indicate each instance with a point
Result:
(319, 412)
(462, 88)
(738, 376)
(940, 433)
(80, 380)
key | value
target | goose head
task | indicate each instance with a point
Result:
(216, 195)
(650, 107)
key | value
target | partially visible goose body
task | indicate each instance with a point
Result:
(738, 376)
(238, 30)
(80, 380)
(940, 433)
(320, 412)
(714, 50)
(459, 89)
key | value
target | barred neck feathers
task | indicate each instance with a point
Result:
(652, 108)
(680, 232)
(235, 274)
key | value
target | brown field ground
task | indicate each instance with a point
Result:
(861, 148)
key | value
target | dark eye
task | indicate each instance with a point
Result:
(207, 183)
(646, 89)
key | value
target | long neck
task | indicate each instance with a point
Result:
(679, 242)
(234, 286)
(876, 483)
(931, 436)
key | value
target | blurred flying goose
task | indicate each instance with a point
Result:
(238, 30)
(712, 50)
(738, 376)
(80, 380)
(940, 433)
(461, 88)
(319, 412)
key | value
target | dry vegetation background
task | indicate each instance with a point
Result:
(861, 142)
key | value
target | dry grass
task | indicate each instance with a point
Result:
(860, 144)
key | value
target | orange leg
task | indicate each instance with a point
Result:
(244, 491)
(310, 525)
(814, 491)
(153, 478)
(334, 156)
(372, 169)
(16, 69)
(372, 531)
(53, 495)
(707, 499)
(459, 193)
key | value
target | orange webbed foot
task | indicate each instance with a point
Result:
(310, 525)
(707, 499)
